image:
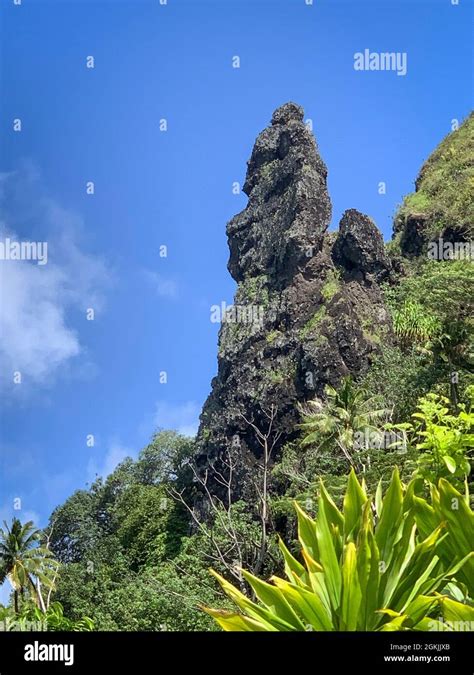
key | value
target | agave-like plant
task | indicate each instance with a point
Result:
(450, 511)
(394, 563)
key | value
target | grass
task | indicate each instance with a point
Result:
(272, 336)
(331, 285)
(313, 323)
(445, 188)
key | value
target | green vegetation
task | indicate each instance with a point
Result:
(253, 290)
(266, 170)
(446, 185)
(380, 563)
(336, 423)
(433, 313)
(413, 326)
(32, 571)
(313, 323)
(444, 438)
(331, 285)
(25, 562)
(131, 553)
(398, 378)
(272, 336)
(277, 376)
(52, 619)
(373, 331)
(128, 557)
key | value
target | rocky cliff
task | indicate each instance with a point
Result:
(443, 202)
(308, 308)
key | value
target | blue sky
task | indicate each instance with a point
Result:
(174, 188)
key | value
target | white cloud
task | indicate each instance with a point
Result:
(35, 337)
(164, 288)
(182, 417)
(37, 300)
(114, 455)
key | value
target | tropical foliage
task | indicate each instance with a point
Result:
(336, 421)
(25, 562)
(442, 439)
(432, 309)
(390, 563)
(129, 558)
(32, 618)
(414, 326)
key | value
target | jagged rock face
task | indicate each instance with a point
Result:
(289, 208)
(359, 246)
(413, 235)
(308, 309)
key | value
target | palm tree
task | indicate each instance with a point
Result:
(336, 421)
(24, 562)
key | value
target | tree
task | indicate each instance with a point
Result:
(24, 562)
(267, 438)
(219, 521)
(130, 561)
(165, 459)
(148, 524)
(237, 532)
(336, 422)
(78, 525)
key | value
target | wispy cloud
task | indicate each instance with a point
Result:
(163, 287)
(182, 417)
(37, 300)
(112, 458)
